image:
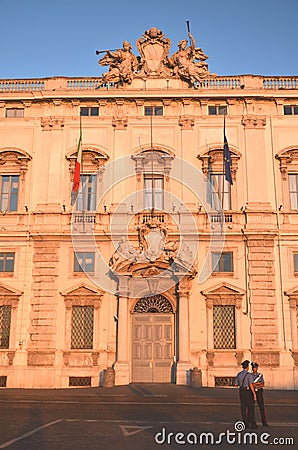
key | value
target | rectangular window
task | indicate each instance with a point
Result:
(6, 262)
(154, 192)
(82, 327)
(89, 111)
(9, 186)
(290, 110)
(295, 256)
(293, 187)
(14, 112)
(220, 195)
(224, 331)
(87, 195)
(5, 318)
(153, 111)
(84, 261)
(222, 262)
(217, 110)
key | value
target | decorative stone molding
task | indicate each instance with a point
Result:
(288, 160)
(82, 296)
(239, 357)
(295, 356)
(210, 358)
(119, 123)
(37, 358)
(266, 358)
(10, 357)
(52, 123)
(162, 162)
(254, 122)
(9, 296)
(214, 158)
(223, 294)
(93, 160)
(14, 160)
(186, 122)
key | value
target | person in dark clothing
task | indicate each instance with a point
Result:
(247, 395)
(258, 384)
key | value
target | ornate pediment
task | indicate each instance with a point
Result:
(14, 160)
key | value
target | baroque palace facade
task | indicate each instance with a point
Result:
(158, 264)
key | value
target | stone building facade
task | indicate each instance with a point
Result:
(160, 265)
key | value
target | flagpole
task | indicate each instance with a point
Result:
(151, 146)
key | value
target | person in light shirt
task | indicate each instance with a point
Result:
(247, 395)
(258, 384)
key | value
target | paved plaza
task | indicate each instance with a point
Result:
(141, 416)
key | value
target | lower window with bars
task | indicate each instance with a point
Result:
(224, 381)
(80, 381)
(3, 380)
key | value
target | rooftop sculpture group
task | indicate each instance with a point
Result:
(187, 63)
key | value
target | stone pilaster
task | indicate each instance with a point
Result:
(44, 304)
(183, 364)
(122, 363)
(262, 285)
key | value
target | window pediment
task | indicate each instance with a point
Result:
(214, 157)
(223, 294)
(82, 295)
(9, 296)
(93, 159)
(13, 160)
(288, 160)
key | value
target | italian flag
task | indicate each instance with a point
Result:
(77, 171)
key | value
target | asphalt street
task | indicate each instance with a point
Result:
(141, 416)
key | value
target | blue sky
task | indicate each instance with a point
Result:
(59, 37)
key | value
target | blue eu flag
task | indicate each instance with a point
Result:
(227, 158)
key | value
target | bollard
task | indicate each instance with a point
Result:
(196, 377)
(108, 377)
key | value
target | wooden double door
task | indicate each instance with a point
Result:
(152, 347)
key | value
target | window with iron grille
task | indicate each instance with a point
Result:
(153, 111)
(3, 380)
(290, 110)
(87, 194)
(89, 111)
(84, 262)
(224, 381)
(14, 112)
(222, 262)
(293, 187)
(220, 196)
(217, 110)
(82, 327)
(224, 332)
(79, 381)
(9, 190)
(5, 318)
(6, 262)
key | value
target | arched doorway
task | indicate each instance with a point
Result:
(152, 340)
